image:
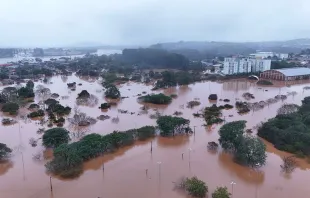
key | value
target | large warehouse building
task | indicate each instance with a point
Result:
(297, 73)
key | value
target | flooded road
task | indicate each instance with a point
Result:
(125, 171)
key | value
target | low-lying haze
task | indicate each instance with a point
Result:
(30, 23)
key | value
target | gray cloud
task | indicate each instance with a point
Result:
(65, 22)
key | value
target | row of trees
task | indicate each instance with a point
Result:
(289, 130)
(68, 158)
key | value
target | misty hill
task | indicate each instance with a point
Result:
(196, 49)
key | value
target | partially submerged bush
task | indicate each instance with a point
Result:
(242, 107)
(193, 103)
(54, 137)
(8, 121)
(4, 152)
(36, 114)
(11, 108)
(177, 113)
(212, 97)
(173, 95)
(105, 106)
(264, 82)
(195, 187)
(212, 115)
(83, 94)
(112, 92)
(156, 99)
(33, 106)
(221, 192)
(55, 95)
(289, 164)
(213, 146)
(228, 106)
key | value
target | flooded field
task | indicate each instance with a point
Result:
(124, 172)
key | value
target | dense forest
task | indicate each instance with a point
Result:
(289, 130)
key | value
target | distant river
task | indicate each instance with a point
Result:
(99, 52)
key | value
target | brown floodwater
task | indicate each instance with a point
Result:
(125, 171)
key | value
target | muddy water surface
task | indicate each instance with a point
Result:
(125, 171)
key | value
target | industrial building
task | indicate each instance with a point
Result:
(297, 73)
(245, 65)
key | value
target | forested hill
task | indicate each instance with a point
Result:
(192, 48)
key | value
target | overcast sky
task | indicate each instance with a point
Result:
(30, 23)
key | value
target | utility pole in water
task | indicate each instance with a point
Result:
(51, 184)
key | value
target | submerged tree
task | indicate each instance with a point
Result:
(112, 92)
(289, 164)
(54, 137)
(4, 152)
(195, 187)
(221, 192)
(11, 108)
(251, 151)
(169, 125)
(156, 99)
(247, 150)
(231, 134)
(288, 109)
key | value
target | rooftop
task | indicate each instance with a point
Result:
(297, 71)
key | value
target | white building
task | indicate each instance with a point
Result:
(264, 55)
(245, 65)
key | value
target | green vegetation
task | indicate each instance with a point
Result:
(145, 132)
(50, 101)
(4, 152)
(221, 192)
(264, 82)
(290, 131)
(170, 125)
(10, 107)
(68, 158)
(25, 92)
(83, 94)
(146, 57)
(242, 107)
(282, 64)
(30, 85)
(36, 114)
(112, 92)
(195, 187)
(212, 115)
(212, 97)
(156, 99)
(105, 106)
(193, 103)
(247, 150)
(54, 137)
(33, 106)
(58, 109)
(171, 79)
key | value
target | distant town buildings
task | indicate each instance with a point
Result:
(269, 55)
(245, 65)
(39, 52)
